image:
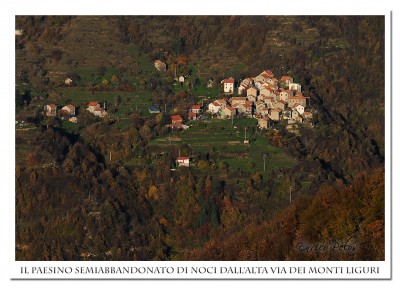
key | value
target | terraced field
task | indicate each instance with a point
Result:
(221, 138)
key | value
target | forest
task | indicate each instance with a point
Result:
(101, 190)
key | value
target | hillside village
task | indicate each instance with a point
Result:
(263, 97)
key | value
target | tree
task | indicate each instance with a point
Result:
(115, 79)
(182, 59)
(105, 82)
(153, 193)
(178, 46)
(203, 164)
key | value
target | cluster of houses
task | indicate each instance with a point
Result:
(194, 112)
(69, 111)
(263, 97)
(66, 112)
(96, 110)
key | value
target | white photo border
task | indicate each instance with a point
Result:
(219, 8)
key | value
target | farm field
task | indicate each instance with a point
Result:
(221, 138)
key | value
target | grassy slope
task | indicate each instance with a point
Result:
(227, 141)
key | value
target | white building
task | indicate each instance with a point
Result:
(68, 81)
(294, 86)
(299, 108)
(214, 107)
(229, 85)
(183, 161)
(92, 106)
(69, 109)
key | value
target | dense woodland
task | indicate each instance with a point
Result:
(85, 207)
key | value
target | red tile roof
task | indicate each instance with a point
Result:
(230, 80)
(191, 114)
(176, 118)
(230, 108)
(265, 75)
(268, 73)
(70, 106)
(98, 109)
(215, 103)
(196, 107)
(52, 106)
(181, 158)
(93, 103)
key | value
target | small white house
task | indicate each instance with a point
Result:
(69, 109)
(295, 87)
(160, 66)
(214, 107)
(252, 92)
(229, 85)
(73, 120)
(297, 99)
(92, 106)
(183, 161)
(299, 108)
(266, 90)
(287, 80)
(275, 114)
(295, 114)
(263, 122)
(50, 110)
(228, 112)
(100, 112)
(196, 109)
(68, 81)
